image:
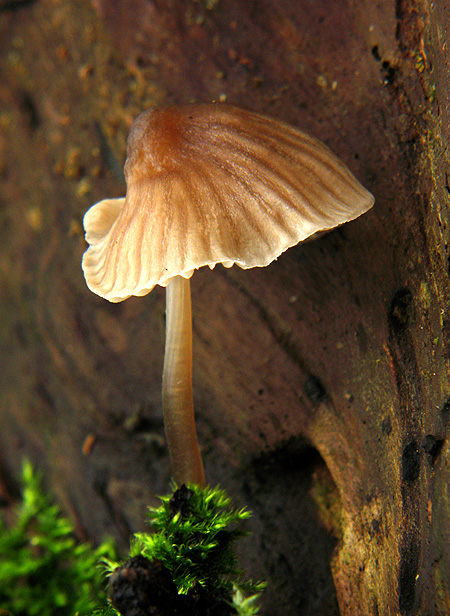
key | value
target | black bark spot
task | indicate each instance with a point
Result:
(445, 412)
(29, 110)
(388, 72)
(401, 310)
(376, 53)
(432, 447)
(314, 390)
(386, 426)
(410, 462)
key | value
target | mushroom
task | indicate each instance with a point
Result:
(208, 184)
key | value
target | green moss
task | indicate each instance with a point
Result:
(44, 570)
(195, 530)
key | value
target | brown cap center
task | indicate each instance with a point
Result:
(156, 143)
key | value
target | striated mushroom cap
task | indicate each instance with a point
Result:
(212, 183)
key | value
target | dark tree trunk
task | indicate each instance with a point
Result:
(322, 381)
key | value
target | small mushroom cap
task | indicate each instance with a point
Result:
(212, 183)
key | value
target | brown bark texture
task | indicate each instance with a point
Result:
(321, 382)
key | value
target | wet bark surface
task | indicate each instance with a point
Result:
(322, 381)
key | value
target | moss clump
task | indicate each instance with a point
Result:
(44, 570)
(191, 554)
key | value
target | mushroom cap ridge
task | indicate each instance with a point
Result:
(208, 184)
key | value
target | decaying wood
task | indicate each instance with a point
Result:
(322, 381)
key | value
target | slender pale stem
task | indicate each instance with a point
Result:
(177, 396)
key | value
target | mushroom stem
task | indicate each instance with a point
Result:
(177, 396)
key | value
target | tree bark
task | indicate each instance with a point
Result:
(321, 382)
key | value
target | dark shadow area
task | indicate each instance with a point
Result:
(14, 5)
(296, 531)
